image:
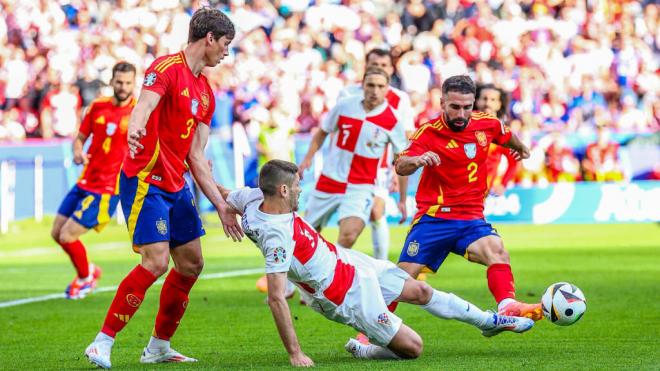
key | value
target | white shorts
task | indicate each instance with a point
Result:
(377, 283)
(355, 202)
(382, 189)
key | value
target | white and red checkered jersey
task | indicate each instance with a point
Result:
(400, 103)
(358, 143)
(291, 245)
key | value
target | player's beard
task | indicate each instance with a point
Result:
(457, 128)
(119, 98)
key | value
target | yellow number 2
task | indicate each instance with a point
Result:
(189, 125)
(472, 177)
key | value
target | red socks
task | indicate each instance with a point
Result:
(500, 282)
(127, 300)
(78, 255)
(173, 303)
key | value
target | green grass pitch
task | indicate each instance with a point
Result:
(228, 326)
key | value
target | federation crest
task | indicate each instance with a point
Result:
(133, 300)
(470, 150)
(205, 100)
(279, 255)
(413, 248)
(194, 105)
(384, 319)
(161, 226)
(110, 129)
(481, 138)
(150, 79)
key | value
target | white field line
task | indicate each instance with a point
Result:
(210, 276)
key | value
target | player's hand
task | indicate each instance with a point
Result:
(497, 189)
(429, 158)
(228, 217)
(521, 154)
(304, 166)
(134, 137)
(403, 210)
(80, 158)
(300, 360)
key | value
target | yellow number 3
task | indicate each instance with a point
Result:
(472, 177)
(189, 125)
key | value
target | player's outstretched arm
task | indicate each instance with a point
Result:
(407, 165)
(282, 316)
(138, 122)
(201, 171)
(314, 145)
(403, 197)
(520, 151)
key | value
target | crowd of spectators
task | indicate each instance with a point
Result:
(569, 67)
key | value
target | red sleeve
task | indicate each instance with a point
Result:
(418, 142)
(86, 125)
(157, 76)
(209, 113)
(511, 169)
(501, 133)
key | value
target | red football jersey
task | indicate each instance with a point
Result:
(185, 101)
(107, 124)
(456, 188)
(493, 160)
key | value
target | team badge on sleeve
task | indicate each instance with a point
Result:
(413, 248)
(384, 319)
(279, 255)
(481, 138)
(150, 79)
(470, 150)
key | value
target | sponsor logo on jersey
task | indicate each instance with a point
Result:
(110, 129)
(384, 319)
(185, 93)
(156, 178)
(161, 226)
(481, 138)
(413, 248)
(150, 79)
(451, 145)
(100, 120)
(279, 255)
(470, 150)
(194, 105)
(133, 300)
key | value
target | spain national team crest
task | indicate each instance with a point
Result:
(470, 150)
(413, 248)
(133, 300)
(110, 129)
(161, 226)
(279, 255)
(384, 319)
(481, 138)
(205, 100)
(150, 79)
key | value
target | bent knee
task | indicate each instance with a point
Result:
(414, 348)
(66, 237)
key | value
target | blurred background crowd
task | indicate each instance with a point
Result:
(581, 76)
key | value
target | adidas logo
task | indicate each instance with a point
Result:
(185, 93)
(123, 317)
(451, 144)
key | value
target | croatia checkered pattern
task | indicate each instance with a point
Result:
(358, 143)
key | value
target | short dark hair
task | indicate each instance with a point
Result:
(379, 52)
(122, 67)
(275, 173)
(459, 84)
(212, 20)
(376, 71)
(504, 98)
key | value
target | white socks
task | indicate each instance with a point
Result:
(450, 306)
(370, 351)
(157, 345)
(380, 236)
(103, 337)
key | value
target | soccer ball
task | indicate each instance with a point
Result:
(563, 304)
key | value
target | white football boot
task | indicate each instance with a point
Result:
(98, 352)
(507, 323)
(166, 355)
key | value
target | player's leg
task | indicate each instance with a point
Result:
(481, 244)
(406, 344)
(186, 252)
(353, 213)
(147, 219)
(349, 230)
(380, 233)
